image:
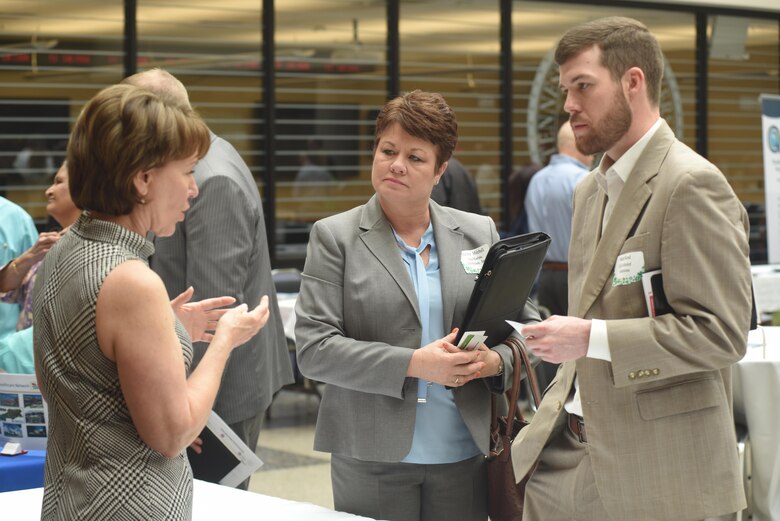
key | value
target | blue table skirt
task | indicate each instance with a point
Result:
(22, 472)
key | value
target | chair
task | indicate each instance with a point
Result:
(286, 280)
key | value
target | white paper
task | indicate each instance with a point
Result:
(248, 460)
(24, 417)
(11, 449)
(647, 287)
(471, 340)
(517, 326)
(629, 268)
(472, 260)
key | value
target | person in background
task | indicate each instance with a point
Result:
(518, 186)
(405, 414)
(16, 285)
(457, 189)
(548, 205)
(17, 235)
(638, 423)
(111, 355)
(221, 248)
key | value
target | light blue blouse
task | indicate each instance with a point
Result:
(440, 435)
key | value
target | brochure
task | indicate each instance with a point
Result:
(24, 418)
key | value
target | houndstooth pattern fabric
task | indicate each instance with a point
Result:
(97, 466)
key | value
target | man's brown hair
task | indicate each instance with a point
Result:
(624, 43)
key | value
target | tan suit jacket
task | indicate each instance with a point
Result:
(659, 415)
(358, 324)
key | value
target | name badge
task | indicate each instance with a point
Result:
(472, 260)
(629, 268)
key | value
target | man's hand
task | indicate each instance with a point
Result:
(558, 339)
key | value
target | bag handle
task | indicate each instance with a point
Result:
(536, 395)
(520, 358)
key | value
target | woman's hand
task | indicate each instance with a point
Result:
(44, 243)
(197, 445)
(444, 363)
(12, 274)
(200, 318)
(492, 360)
(238, 325)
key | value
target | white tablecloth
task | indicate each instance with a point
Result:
(287, 311)
(210, 502)
(757, 405)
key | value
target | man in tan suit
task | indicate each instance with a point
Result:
(637, 424)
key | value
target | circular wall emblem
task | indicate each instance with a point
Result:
(773, 137)
(545, 108)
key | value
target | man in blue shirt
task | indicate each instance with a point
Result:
(548, 205)
(17, 235)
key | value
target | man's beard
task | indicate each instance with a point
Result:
(613, 126)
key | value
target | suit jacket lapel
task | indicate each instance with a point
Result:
(449, 242)
(378, 237)
(628, 209)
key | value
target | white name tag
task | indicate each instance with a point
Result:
(473, 260)
(629, 268)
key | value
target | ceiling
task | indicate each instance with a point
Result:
(303, 27)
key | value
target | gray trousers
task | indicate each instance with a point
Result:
(411, 492)
(563, 487)
(249, 432)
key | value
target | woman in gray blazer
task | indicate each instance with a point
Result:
(405, 414)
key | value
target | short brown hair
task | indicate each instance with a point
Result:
(122, 131)
(624, 43)
(424, 115)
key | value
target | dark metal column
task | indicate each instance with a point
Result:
(131, 39)
(506, 107)
(702, 64)
(393, 49)
(268, 98)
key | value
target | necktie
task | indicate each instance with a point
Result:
(423, 304)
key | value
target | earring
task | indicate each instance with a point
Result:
(142, 201)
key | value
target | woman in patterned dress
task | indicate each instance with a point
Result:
(111, 356)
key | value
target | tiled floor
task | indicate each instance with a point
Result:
(292, 469)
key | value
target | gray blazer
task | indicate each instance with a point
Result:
(221, 249)
(358, 324)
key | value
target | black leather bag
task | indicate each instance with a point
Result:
(505, 495)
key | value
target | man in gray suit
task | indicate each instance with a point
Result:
(638, 423)
(221, 249)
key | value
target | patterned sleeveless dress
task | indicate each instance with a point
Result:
(97, 466)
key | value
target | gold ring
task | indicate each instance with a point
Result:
(457, 380)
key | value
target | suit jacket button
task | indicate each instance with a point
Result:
(632, 375)
(656, 371)
(558, 406)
